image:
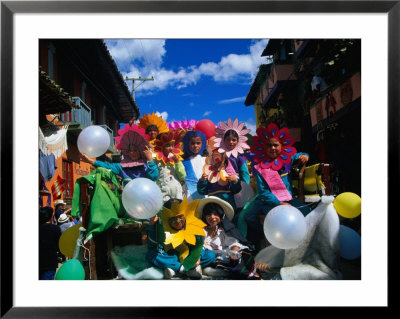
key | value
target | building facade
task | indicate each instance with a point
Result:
(79, 86)
(313, 87)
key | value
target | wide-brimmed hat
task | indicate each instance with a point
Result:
(59, 202)
(228, 210)
(63, 218)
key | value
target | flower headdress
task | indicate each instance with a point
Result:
(174, 137)
(215, 169)
(182, 125)
(149, 119)
(261, 140)
(219, 137)
(186, 142)
(193, 226)
(131, 135)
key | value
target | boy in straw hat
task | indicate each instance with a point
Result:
(234, 252)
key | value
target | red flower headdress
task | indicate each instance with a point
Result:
(131, 135)
(174, 137)
(261, 140)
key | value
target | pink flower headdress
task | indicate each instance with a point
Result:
(261, 140)
(219, 137)
(182, 125)
(174, 137)
(131, 135)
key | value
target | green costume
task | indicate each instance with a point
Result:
(106, 207)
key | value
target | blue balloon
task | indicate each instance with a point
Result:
(349, 243)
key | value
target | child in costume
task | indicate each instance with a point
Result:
(219, 178)
(153, 125)
(273, 157)
(169, 162)
(230, 138)
(136, 156)
(195, 152)
(234, 252)
(176, 239)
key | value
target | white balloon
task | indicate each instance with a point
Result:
(93, 141)
(142, 198)
(285, 227)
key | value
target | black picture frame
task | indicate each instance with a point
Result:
(9, 8)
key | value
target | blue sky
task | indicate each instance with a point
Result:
(193, 78)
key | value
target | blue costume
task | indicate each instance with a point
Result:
(193, 164)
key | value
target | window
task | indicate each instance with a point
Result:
(69, 180)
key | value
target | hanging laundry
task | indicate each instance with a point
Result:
(58, 187)
(47, 165)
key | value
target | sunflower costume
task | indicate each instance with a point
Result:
(153, 119)
(178, 249)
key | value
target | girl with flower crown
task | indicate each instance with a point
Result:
(194, 156)
(136, 156)
(227, 167)
(230, 138)
(274, 155)
(168, 159)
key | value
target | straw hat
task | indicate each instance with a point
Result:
(227, 208)
(63, 218)
(59, 202)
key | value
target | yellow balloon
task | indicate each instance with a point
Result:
(67, 242)
(348, 205)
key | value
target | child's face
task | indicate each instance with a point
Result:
(195, 144)
(274, 148)
(168, 148)
(134, 153)
(177, 222)
(213, 219)
(230, 142)
(152, 133)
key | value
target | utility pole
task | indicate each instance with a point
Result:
(133, 83)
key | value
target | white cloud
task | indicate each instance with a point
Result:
(144, 58)
(148, 52)
(164, 115)
(206, 113)
(234, 100)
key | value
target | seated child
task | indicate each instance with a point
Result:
(233, 251)
(273, 157)
(219, 178)
(172, 173)
(176, 240)
(136, 156)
